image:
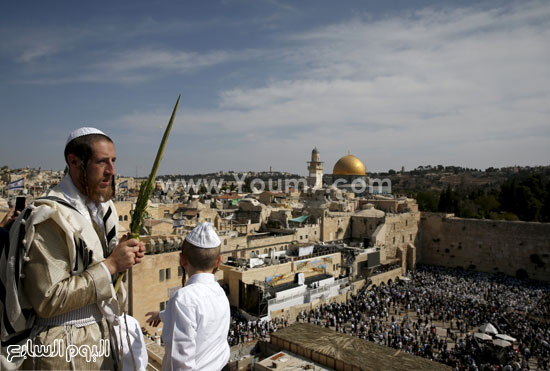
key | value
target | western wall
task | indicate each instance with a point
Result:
(517, 249)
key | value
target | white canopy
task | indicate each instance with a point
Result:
(483, 336)
(488, 329)
(506, 337)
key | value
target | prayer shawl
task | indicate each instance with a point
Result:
(65, 206)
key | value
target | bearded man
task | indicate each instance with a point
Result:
(71, 257)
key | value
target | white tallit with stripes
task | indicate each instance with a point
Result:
(16, 313)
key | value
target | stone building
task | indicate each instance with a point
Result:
(315, 168)
(252, 288)
(124, 209)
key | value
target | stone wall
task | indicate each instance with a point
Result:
(401, 230)
(386, 276)
(364, 227)
(160, 211)
(148, 291)
(123, 209)
(308, 233)
(161, 227)
(336, 226)
(485, 245)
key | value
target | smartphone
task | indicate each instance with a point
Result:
(20, 202)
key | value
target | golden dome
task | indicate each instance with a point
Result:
(349, 165)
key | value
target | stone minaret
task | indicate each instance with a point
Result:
(315, 167)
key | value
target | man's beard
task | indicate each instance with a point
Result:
(96, 193)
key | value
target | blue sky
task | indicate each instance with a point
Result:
(396, 83)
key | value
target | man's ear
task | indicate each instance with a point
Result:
(219, 261)
(73, 161)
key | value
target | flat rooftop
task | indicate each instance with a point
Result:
(288, 361)
(342, 351)
(307, 280)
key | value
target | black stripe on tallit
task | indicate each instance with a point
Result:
(90, 255)
(111, 234)
(78, 249)
(60, 201)
(20, 247)
(107, 215)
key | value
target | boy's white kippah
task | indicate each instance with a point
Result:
(80, 132)
(204, 235)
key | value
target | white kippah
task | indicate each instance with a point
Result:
(80, 132)
(204, 235)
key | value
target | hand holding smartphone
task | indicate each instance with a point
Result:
(20, 203)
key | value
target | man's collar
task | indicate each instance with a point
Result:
(75, 197)
(202, 278)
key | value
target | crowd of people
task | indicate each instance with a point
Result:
(435, 314)
(243, 331)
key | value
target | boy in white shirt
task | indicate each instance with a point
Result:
(197, 317)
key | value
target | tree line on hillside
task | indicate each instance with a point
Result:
(520, 197)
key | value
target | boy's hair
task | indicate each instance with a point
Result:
(200, 258)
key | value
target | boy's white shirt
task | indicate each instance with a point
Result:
(196, 324)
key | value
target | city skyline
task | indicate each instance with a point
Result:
(263, 82)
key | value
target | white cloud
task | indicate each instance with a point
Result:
(455, 86)
(434, 77)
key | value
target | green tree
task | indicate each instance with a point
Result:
(449, 201)
(545, 210)
(486, 203)
(525, 198)
(428, 200)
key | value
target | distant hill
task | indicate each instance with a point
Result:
(512, 193)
